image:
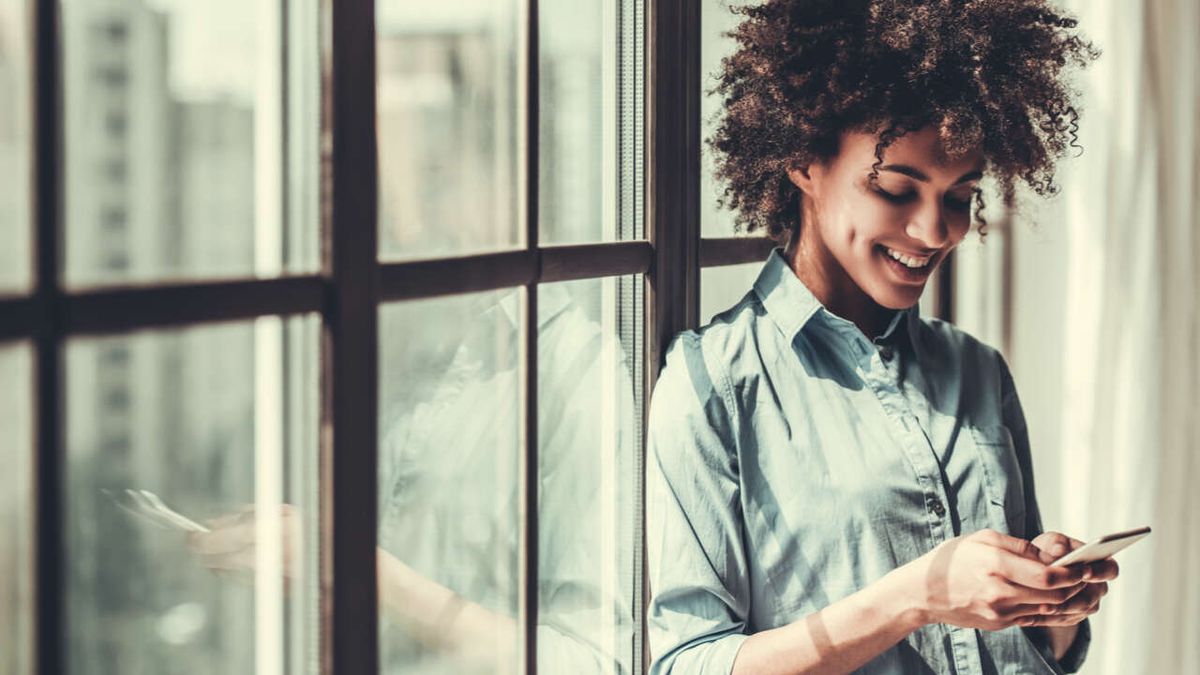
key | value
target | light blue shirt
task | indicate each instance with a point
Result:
(793, 461)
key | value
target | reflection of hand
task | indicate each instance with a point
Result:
(231, 545)
(991, 581)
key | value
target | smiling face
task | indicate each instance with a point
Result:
(862, 241)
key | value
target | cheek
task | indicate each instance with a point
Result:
(870, 222)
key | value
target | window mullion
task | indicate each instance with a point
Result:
(350, 343)
(529, 457)
(50, 604)
(673, 189)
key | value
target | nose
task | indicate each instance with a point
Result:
(928, 226)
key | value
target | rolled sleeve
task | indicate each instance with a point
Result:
(1076, 654)
(696, 556)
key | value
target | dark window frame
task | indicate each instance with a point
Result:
(349, 288)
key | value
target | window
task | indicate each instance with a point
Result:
(434, 367)
(16, 135)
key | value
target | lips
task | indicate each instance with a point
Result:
(904, 273)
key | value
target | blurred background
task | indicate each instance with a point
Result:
(191, 152)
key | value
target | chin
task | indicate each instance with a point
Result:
(892, 297)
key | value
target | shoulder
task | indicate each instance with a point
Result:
(714, 351)
(696, 380)
(948, 341)
(979, 369)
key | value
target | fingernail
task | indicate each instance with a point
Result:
(1087, 573)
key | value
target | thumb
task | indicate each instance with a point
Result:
(1054, 545)
(1014, 545)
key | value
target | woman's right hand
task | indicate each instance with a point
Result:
(231, 546)
(985, 580)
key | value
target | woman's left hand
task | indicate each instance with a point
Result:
(1052, 546)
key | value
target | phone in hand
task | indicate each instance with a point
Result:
(1103, 548)
(148, 506)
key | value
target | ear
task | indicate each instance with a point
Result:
(802, 177)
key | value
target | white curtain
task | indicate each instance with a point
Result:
(1129, 397)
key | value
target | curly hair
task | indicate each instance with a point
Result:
(985, 73)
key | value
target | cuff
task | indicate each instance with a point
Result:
(1072, 661)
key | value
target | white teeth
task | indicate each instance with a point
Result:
(915, 263)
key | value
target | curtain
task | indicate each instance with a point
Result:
(1129, 431)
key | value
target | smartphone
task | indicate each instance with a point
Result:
(1104, 547)
(148, 506)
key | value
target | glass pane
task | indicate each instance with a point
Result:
(16, 137)
(16, 511)
(723, 287)
(589, 431)
(218, 423)
(449, 126)
(449, 472)
(715, 20)
(591, 120)
(175, 140)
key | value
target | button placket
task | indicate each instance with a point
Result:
(921, 455)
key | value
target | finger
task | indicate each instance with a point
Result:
(240, 560)
(1051, 546)
(1012, 545)
(1023, 595)
(231, 518)
(222, 541)
(1034, 574)
(1101, 570)
(1050, 620)
(1079, 603)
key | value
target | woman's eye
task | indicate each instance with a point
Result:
(896, 198)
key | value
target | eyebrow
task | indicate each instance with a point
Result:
(916, 173)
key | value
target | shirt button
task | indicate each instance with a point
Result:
(886, 353)
(937, 507)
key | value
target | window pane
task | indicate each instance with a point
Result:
(715, 19)
(175, 142)
(449, 463)
(15, 141)
(590, 137)
(723, 287)
(448, 124)
(219, 423)
(16, 511)
(589, 431)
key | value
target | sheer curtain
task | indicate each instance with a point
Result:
(1111, 374)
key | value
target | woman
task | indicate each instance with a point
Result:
(834, 482)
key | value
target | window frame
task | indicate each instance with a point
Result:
(351, 285)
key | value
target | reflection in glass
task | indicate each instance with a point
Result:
(450, 486)
(450, 397)
(589, 432)
(723, 287)
(173, 140)
(16, 510)
(448, 102)
(220, 424)
(15, 142)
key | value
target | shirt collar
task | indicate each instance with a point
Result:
(791, 305)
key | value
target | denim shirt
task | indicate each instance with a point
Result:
(793, 461)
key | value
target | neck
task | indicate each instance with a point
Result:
(825, 278)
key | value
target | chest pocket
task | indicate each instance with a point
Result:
(1005, 487)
